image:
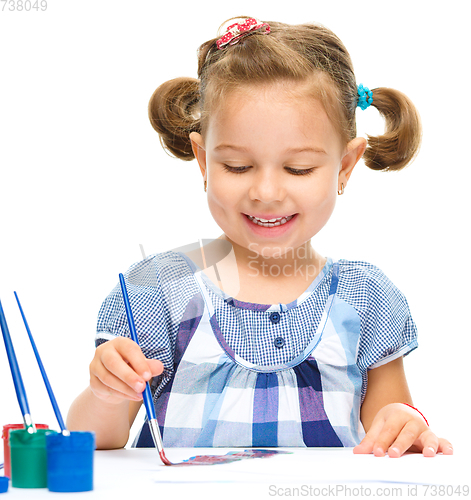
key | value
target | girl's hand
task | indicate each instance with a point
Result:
(397, 428)
(119, 371)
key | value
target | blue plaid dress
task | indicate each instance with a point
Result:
(243, 374)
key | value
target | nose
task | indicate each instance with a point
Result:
(267, 186)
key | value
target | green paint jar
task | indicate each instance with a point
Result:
(28, 458)
(6, 443)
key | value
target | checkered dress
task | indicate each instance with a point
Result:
(243, 374)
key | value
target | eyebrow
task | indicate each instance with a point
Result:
(288, 151)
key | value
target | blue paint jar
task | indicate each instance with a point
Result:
(70, 461)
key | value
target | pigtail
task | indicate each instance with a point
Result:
(174, 113)
(403, 131)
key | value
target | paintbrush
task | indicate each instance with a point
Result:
(16, 375)
(146, 395)
(55, 406)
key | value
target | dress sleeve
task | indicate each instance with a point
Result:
(388, 330)
(150, 312)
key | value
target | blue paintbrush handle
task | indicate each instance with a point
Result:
(146, 395)
(55, 406)
(149, 403)
(15, 370)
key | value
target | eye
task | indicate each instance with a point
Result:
(235, 170)
(297, 171)
(294, 171)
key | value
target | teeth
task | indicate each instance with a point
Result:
(270, 222)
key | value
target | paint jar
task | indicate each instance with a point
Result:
(70, 461)
(28, 458)
(6, 445)
(4, 484)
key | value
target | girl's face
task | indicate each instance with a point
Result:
(272, 153)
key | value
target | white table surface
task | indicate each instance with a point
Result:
(306, 472)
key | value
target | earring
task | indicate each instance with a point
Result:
(205, 186)
(341, 190)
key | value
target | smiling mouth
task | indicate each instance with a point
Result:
(270, 222)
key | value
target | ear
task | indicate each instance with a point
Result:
(197, 145)
(354, 151)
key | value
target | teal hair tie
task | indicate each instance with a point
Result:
(365, 97)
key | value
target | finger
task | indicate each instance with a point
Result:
(133, 356)
(367, 443)
(113, 372)
(389, 432)
(105, 380)
(119, 376)
(110, 393)
(156, 367)
(445, 447)
(429, 442)
(120, 362)
(365, 446)
(412, 433)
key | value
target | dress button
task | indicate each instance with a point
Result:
(279, 342)
(275, 317)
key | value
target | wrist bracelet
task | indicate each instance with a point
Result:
(414, 408)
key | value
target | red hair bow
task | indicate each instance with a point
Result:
(236, 31)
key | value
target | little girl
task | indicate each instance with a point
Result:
(302, 351)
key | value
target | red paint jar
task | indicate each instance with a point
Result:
(6, 445)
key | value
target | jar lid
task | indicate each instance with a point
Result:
(3, 484)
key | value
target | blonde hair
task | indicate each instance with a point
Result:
(298, 53)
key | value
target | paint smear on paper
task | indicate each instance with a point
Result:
(232, 456)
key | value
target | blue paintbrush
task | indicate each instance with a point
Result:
(55, 406)
(16, 374)
(146, 395)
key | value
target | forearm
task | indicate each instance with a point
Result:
(386, 384)
(110, 422)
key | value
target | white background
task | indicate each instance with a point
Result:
(84, 180)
